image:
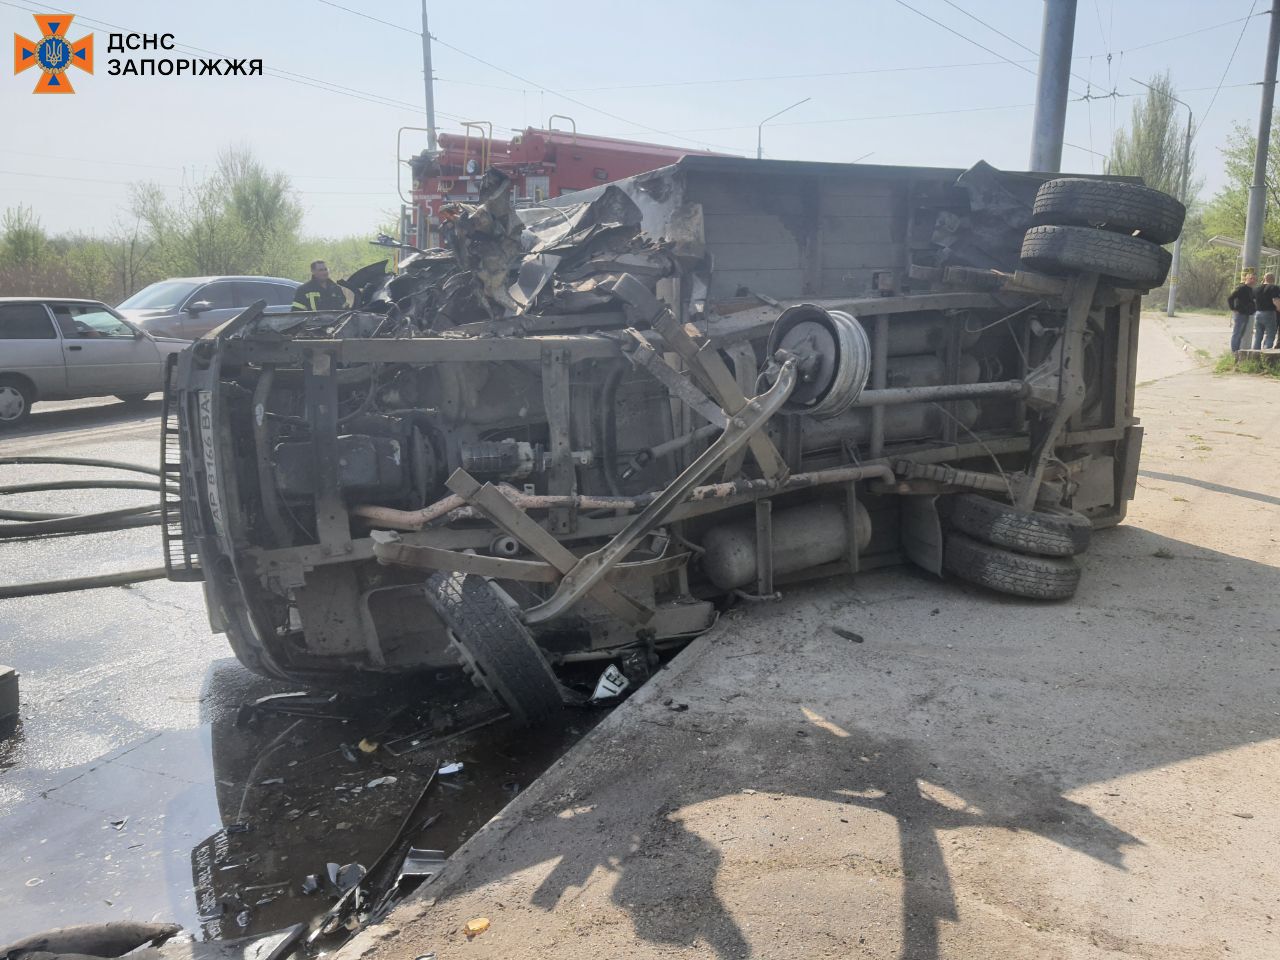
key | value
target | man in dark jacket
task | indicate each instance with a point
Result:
(1264, 321)
(1242, 306)
(319, 293)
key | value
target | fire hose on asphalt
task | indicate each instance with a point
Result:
(34, 524)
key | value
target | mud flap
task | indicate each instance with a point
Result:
(921, 532)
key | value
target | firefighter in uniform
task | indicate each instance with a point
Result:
(319, 293)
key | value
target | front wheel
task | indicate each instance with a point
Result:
(495, 648)
(15, 401)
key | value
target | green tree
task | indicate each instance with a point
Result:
(22, 236)
(1152, 147)
(240, 219)
(1226, 212)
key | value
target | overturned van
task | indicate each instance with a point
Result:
(580, 430)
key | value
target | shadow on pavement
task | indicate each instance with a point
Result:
(1005, 748)
(53, 419)
(1215, 487)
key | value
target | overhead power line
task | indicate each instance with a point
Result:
(531, 83)
(880, 116)
(790, 76)
(361, 13)
(1015, 42)
(950, 29)
(1192, 33)
(1214, 99)
(564, 96)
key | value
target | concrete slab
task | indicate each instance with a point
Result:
(980, 777)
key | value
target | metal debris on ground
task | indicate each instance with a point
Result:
(450, 768)
(847, 634)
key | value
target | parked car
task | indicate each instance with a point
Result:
(189, 307)
(61, 349)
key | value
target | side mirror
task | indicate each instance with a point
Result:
(199, 307)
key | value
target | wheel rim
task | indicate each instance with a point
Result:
(12, 403)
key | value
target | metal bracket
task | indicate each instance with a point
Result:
(589, 571)
(704, 362)
(1071, 388)
(490, 501)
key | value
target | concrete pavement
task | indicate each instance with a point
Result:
(980, 777)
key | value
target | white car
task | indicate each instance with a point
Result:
(54, 348)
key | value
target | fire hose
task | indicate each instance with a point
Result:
(31, 524)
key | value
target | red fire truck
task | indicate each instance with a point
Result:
(541, 163)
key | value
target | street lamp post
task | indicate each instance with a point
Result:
(760, 128)
(1186, 170)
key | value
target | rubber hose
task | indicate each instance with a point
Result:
(90, 522)
(83, 462)
(150, 485)
(33, 515)
(81, 583)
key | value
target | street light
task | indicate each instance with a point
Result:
(760, 128)
(1186, 169)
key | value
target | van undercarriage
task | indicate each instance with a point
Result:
(577, 432)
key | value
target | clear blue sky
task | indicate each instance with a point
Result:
(686, 73)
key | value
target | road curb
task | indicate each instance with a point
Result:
(496, 830)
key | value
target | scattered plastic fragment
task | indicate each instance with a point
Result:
(119, 824)
(367, 746)
(310, 884)
(449, 768)
(381, 782)
(473, 928)
(611, 684)
(347, 753)
(35, 881)
(346, 876)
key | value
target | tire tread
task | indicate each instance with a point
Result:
(514, 669)
(1060, 250)
(1113, 205)
(1037, 578)
(1063, 534)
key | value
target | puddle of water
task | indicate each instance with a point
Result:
(218, 827)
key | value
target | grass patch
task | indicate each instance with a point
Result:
(1227, 363)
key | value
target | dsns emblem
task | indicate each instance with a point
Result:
(53, 53)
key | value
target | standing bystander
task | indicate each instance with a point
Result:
(1264, 321)
(1242, 305)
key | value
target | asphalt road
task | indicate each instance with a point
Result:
(129, 766)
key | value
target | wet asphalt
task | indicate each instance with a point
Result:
(140, 785)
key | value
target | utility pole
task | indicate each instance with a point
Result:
(428, 81)
(1257, 192)
(1051, 86)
